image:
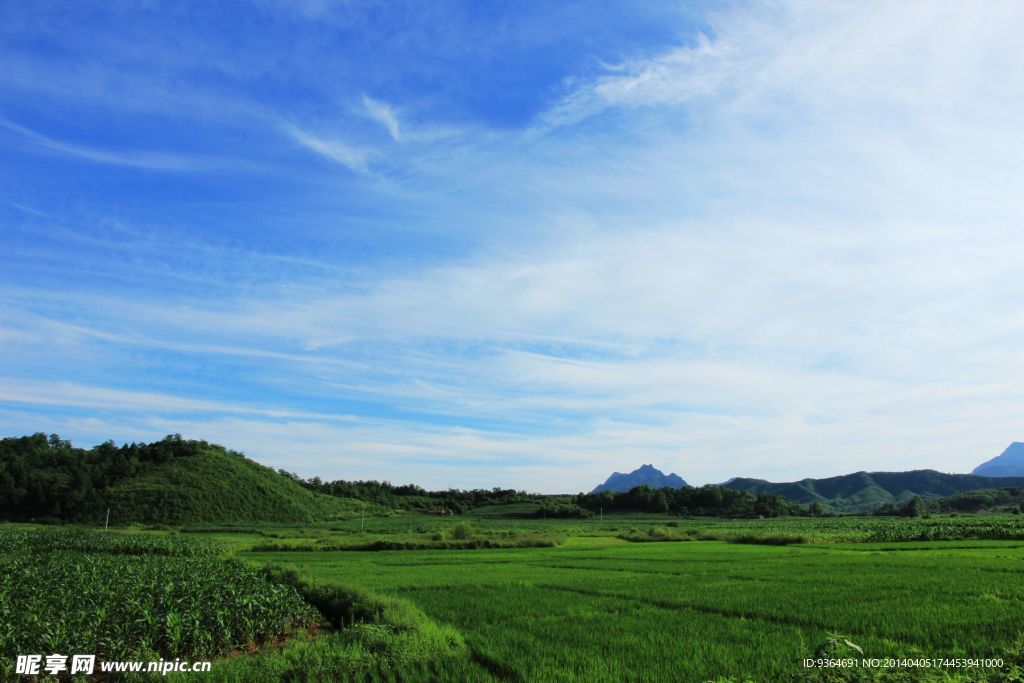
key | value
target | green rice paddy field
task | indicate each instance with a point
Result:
(604, 609)
(632, 598)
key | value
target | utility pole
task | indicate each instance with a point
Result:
(602, 514)
(362, 519)
(106, 524)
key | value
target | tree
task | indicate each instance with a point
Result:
(915, 507)
(710, 497)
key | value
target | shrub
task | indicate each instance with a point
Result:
(462, 531)
(768, 540)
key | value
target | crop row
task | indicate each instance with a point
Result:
(839, 529)
(946, 529)
(142, 596)
(19, 541)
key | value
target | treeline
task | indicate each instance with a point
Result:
(45, 477)
(704, 501)
(915, 507)
(1009, 499)
(413, 497)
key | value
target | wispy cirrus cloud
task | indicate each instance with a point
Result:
(770, 57)
(133, 158)
(354, 158)
(783, 246)
(70, 394)
(383, 114)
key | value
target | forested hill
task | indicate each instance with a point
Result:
(179, 481)
(871, 490)
(172, 481)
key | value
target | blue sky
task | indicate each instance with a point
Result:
(517, 244)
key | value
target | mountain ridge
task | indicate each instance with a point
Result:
(176, 481)
(861, 491)
(1009, 463)
(647, 475)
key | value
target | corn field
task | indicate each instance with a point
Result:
(102, 594)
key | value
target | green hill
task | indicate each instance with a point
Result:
(870, 490)
(214, 486)
(172, 481)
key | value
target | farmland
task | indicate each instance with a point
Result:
(414, 528)
(603, 609)
(630, 597)
(122, 596)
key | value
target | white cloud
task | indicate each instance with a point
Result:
(790, 249)
(155, 161)
(907, 57)
(71, 394)
(382, 113)
(354, 158)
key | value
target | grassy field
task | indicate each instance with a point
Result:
(417, 528)
(631, 597)
(605, 609)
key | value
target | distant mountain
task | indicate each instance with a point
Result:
(646, 474)
(869, 490)
(1010, 463)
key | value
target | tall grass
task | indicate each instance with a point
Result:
(374, 638)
